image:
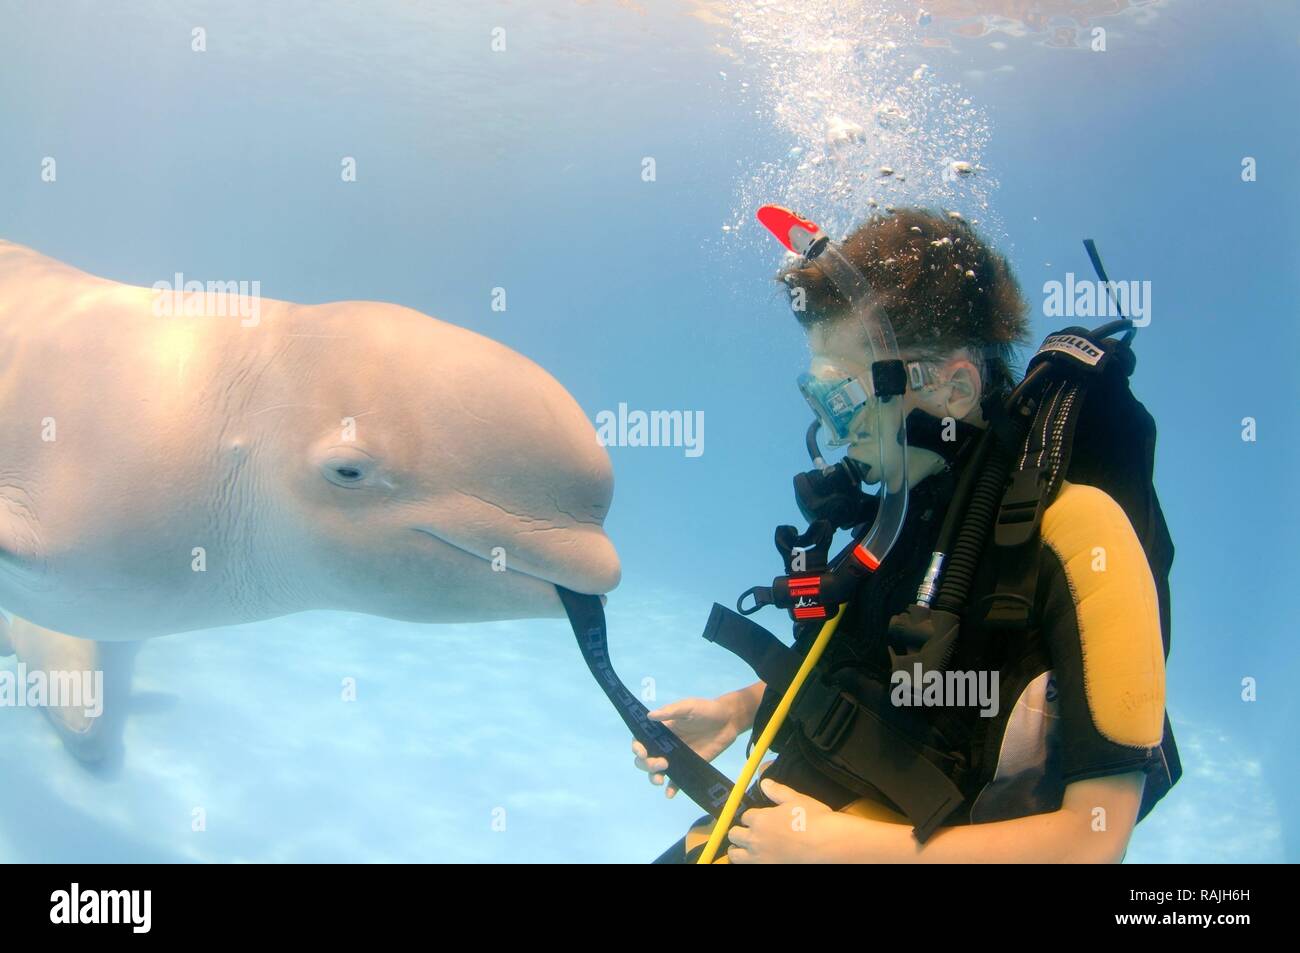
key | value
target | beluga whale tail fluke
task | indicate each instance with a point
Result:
(183, 459)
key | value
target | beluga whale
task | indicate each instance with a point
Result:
(175, 460)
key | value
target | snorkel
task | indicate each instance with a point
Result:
(871, 401)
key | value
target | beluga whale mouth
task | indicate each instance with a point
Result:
(596, 574)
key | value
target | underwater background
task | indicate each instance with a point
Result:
(524, 169)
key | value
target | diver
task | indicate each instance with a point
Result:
(919, 340)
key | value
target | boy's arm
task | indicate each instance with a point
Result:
(1093, 825)
(1102, 628)
(744, 702)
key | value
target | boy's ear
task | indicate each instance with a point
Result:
(963, 389)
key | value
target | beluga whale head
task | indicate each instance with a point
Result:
(431, 475)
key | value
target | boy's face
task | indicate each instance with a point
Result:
(840, 349)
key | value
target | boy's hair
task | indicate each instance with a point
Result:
(940, 286)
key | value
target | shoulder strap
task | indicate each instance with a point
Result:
(1076, 361)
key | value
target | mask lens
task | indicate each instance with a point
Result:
(835, 402)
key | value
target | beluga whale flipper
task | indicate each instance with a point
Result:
(167, 466)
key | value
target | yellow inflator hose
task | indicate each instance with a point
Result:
(765, 739)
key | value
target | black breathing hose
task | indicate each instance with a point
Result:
(963, 561)
(993, 464)
(961, 493)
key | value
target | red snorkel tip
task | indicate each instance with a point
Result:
(781, 222)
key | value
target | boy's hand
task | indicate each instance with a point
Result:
(707, 725)
(797, 830)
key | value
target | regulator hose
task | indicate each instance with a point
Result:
(993, 463)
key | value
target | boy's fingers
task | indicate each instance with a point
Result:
(652, 765)
(680, 709)
(644, 761)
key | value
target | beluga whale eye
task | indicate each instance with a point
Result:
(347, 467)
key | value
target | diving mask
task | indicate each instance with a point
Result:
(837, 400)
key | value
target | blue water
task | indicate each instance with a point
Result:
(523, 169)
